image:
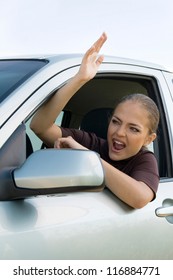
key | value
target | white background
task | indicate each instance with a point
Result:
(141, 29)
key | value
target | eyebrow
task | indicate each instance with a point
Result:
(133, 124)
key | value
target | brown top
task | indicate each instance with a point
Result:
(142, 167)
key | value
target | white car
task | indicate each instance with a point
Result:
(53, 204)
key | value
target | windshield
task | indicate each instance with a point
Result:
(14, 72)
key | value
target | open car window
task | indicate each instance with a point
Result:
(103, 92)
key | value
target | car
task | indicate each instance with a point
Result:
(54, 203)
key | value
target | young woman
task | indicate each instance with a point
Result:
(131, 171)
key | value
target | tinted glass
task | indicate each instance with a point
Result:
(14, 72)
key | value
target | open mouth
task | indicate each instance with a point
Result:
(118, 145)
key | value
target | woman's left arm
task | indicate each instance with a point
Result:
(135, 193)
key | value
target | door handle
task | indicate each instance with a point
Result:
(164, 211)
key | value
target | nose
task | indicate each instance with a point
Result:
(121, 130)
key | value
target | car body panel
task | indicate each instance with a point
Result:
(93, 225)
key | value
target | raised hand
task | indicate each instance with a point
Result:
(92, 60)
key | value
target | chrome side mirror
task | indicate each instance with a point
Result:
(53, 171)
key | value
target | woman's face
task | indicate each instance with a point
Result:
(128, 130)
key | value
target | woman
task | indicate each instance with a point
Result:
(131, 171)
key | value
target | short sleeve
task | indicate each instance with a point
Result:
(146, 170)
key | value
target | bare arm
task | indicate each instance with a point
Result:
(43, 122)
(135, 193)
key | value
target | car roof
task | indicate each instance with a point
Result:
(54, 58)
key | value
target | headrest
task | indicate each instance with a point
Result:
(97, 121)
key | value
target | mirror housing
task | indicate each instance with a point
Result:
(53, 171)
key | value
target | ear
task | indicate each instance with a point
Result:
(150, 138)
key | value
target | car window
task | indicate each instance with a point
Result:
(15, 72)
(104, 91)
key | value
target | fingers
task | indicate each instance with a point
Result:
(60, 143)
(95, 48)
(56, 144)
(99, 60)
(64, 142)
(99, 43)
(68, 143)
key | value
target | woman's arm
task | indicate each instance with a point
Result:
(135, 193)
(43, 122)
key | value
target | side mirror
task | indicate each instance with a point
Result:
(54, 171)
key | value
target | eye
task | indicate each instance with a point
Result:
(115, 121)
(134, 129)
